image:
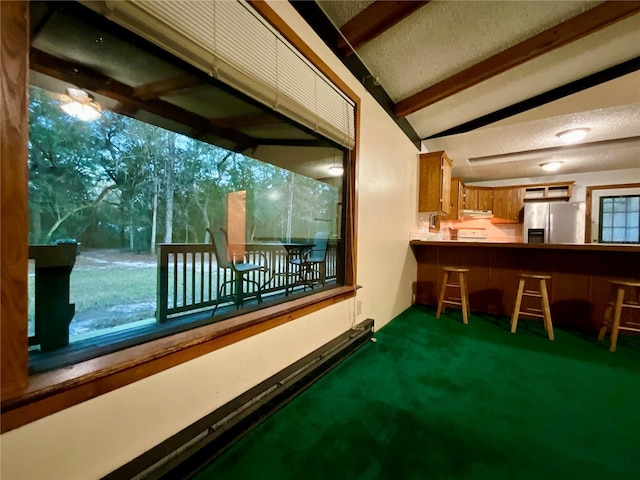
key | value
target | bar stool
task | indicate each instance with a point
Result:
(541, 293)
(619, 287)
(463, 300)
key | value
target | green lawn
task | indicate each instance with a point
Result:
(93, 290)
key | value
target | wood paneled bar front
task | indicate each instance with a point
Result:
(579, 290)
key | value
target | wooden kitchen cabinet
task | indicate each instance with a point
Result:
(508, 204)
(456, 201)
(478, 198)
(435, 183)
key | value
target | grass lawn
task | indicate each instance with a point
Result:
(107, 291)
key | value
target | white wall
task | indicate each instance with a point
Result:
(93, 438)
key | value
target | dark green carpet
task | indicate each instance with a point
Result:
(436, 399)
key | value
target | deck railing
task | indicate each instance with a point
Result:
(189, 278)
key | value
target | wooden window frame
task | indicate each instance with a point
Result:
(26, 399)
(601, 214)
(589, 203)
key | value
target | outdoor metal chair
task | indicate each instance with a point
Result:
(312, 264)
(236, 263)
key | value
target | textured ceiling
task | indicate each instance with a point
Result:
(443, 38)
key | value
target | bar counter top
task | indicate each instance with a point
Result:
(579, 289)
(592, 247)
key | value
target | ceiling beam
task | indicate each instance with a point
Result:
(167, 86)
(569, 31)
(374, 20)
(293, 142)
(85, 77)
(249, 121)
(557, 93)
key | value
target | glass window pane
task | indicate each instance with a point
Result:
(607, 234)
(619, 234)
(606, 204)
(619, 219)
(633, 219)
(607, 220)
(633, 204)
(127, 197)
(632, 235)
(619, 204)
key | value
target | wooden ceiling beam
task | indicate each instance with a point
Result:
(374, 20)
(95, 81)
(249, 121)
(167, 86)
(569, 31)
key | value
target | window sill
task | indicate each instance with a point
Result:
(56, 390)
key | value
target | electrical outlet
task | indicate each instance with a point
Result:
(359, 307)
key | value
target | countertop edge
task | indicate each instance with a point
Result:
(587, 247)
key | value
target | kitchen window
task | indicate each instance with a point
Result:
(619, 219)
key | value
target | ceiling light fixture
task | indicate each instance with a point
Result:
(336, 171)
(551, 166)
(574, 135)
(79, 104)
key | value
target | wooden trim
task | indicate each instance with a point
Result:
(586, 23)
(14, 130)
(53, 391)
(589, 204)
(374, 20)
(529, 246)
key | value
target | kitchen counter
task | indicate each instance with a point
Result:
(579, 289)
(618, 247)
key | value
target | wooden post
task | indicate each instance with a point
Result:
(14, 131)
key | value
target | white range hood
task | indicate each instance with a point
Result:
(477, 213)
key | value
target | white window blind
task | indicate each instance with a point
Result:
(231, 42)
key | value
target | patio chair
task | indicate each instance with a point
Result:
(239, 269)
(312, 264)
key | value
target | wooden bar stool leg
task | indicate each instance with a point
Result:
(617, 311)
(516, 308)
(443, 289)
(606, 321)
(546, 310)
(463, 298)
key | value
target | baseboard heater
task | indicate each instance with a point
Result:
(187, 452)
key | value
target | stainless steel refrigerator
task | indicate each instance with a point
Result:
(554, 222)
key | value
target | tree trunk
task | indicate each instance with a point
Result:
(169, 186)
(154, 216)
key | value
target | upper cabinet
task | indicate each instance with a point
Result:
(549, 191)
(456, 201)
(435, 183)
(508, 204)
(478, 198)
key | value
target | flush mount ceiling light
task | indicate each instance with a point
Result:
(79, 104)
(574, 135)
(336, 171)
(551, 166)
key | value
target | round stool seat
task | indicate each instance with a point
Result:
(625, 283)
(537, 276)
(455, 269)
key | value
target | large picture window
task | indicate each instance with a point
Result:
(160, 199)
